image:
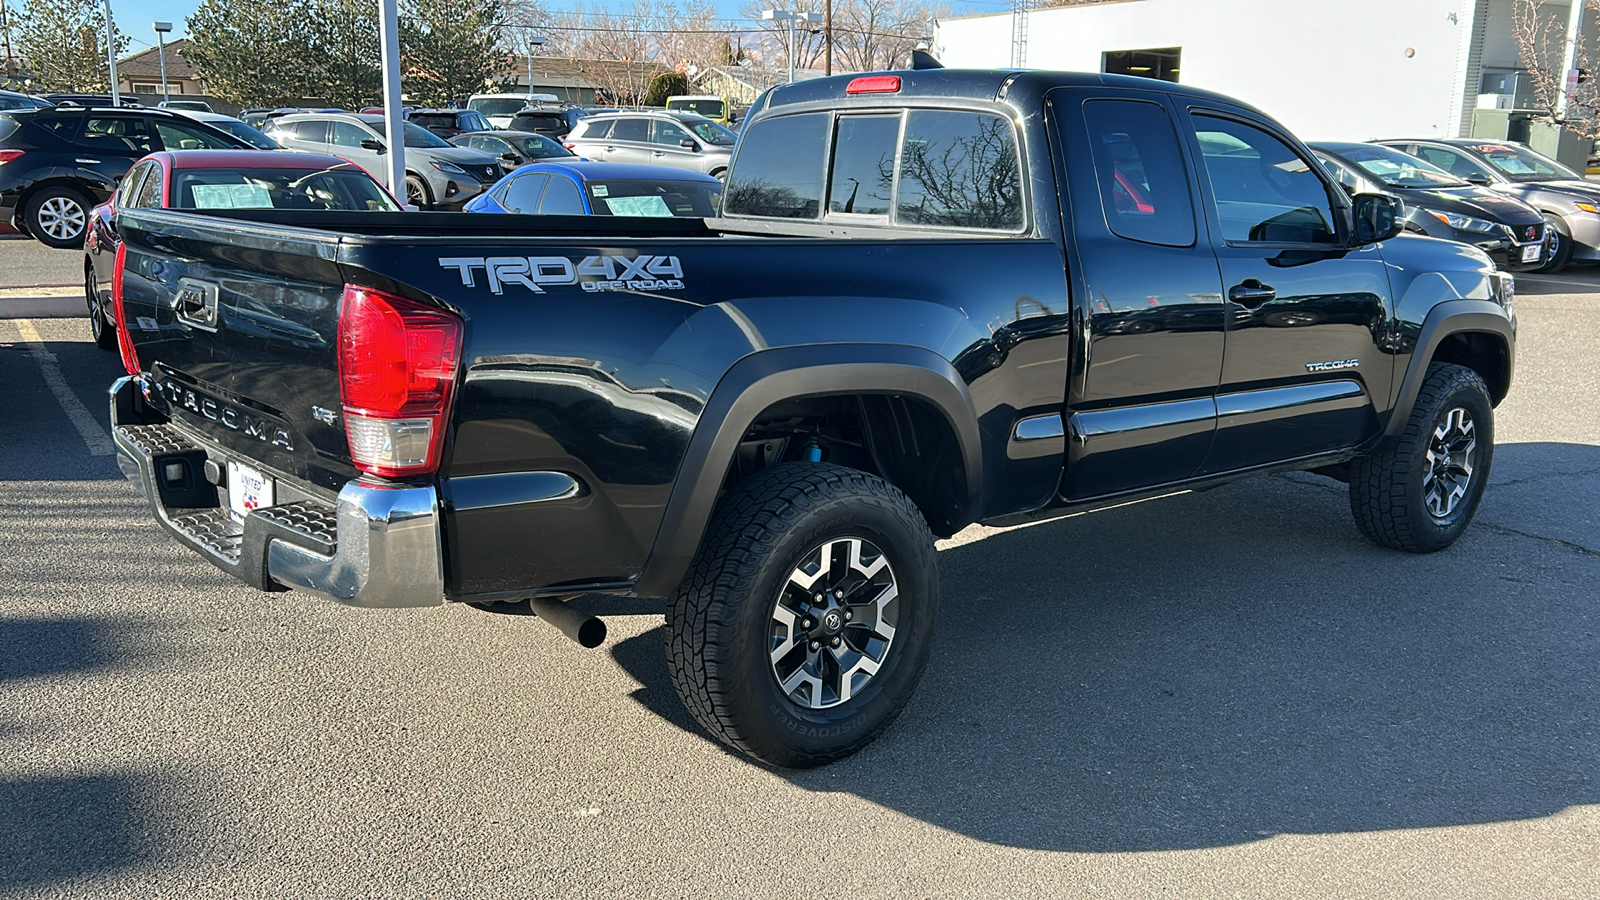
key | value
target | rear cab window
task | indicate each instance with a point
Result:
(918, 167)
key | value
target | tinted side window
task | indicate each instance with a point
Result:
(631, 130)
(433, 121)
(315, 131)
(180, 136)
(779, 172)
(522, 195)
(1139, 166)
(118, 134)
(63, 127)
(561, 198)
(862, 176)
(960, 170)
(597, 130)
(1457, 164)
(669, 133)
(1264, 190)
(346, 134)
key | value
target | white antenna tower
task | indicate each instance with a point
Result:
(1019, 33)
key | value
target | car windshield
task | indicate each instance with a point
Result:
(712, 133)
(711, 109)
(245, 133)
(497, 106)
(338, 188)
(1523, 165)
(537, 146)
(1396, 169)
(416, 135)
(654, 199)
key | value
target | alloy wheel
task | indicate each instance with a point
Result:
(1452, 453)
(97, 316)
(833, 623)
(61, 218)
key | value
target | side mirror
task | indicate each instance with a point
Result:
(511, 158)
(1477, 178)
(1378, 217)
(374, 146)
(688, 144)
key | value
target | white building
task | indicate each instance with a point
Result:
(1327, 69)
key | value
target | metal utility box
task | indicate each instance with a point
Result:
(1561, 145)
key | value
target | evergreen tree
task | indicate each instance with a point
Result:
(64, 43)
(252, 52)
(451, 48)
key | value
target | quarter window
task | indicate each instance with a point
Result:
(149, 195)
(522, 195)
(779, 172)
(960, 170)
(1265, 192)
(1138, 164)
(597, 130)
(862, 176)
(561, 198)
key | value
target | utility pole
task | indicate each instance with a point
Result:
(5, 30)
(1569, 56)
(827, 39)
(162, 29)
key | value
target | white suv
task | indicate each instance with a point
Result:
(679, 140)
(438, 174)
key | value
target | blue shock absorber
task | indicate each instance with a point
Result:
(813, 452)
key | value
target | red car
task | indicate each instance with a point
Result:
(218, 179)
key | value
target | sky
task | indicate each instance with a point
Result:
(134, 16)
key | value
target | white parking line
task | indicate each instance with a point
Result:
(94, 436)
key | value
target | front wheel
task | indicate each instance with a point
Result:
(1560, 245)
(1420, 494)
(807, 617)
(417, 193)
(101, 327)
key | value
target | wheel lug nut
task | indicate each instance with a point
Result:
(839, 594)
(816, 645)
(847, 615)
(834, 642)
(808, 624)
(817, 598)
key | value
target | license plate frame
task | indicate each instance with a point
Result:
(248, 488)
(1530, 253)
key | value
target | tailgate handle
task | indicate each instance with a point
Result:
(196, 303)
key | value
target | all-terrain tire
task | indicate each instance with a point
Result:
(1405, 496)
(732, 626)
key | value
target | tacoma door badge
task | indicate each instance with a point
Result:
(1332, 365)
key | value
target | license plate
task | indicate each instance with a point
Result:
(1530, 253)
(247, 489)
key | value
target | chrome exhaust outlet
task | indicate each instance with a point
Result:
(589, 631)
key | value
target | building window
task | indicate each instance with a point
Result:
(1159, 63)
(146, 88)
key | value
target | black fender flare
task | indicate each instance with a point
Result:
(1443, 320)
(770, 376)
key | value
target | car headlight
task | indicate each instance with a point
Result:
(1588, 207)
(450, 167)
(1462, 223)
(1504, 287)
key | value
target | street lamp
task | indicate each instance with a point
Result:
(111, 55)
(533, 40)
(784, 15)
(162, 30)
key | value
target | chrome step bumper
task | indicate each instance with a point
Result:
(379, 546)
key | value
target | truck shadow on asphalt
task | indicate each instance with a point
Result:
(1213, 669)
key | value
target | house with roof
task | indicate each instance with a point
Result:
(140, 73)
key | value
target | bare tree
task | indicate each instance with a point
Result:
(1541, 38)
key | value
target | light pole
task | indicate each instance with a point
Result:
(162, 30)
(533, 40)
(784, 15)
(111, 55)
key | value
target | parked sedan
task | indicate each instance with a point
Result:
(437, 174)
(1569, 204)
(679, 140)
(551, 121)
(1441, 205)
(215, 180)
(57, 163)
(514, 148)
(583, 188)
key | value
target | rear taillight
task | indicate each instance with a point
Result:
(397, 373)
(130, 359)
(8, 155)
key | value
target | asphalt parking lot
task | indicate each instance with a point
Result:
(1218, 694)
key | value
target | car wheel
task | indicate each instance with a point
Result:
(1560, 245)
(807, 616)
(720, 174)
(101, 327)
(417, 193)
(57, 217)
(1420, 494)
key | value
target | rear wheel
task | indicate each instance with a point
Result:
(1420, 494)
(101, 327)
(807, 616)
(57, 216)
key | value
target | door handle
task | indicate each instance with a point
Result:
(88, 162)
(1251, 293)
(610, 149)
(659, 153)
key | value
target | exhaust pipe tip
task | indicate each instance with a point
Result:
(588, 631)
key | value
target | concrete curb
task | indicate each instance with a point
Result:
(43, 302)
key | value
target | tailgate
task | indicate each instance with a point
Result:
(238, 325)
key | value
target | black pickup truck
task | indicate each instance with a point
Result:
(933, 298)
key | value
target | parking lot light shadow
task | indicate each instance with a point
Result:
(35, 648)
(1218, 668)
(58, 829)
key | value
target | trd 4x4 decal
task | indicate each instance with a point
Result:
(592, 273)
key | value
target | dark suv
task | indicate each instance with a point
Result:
(550, 121)
(57, 164)
(447, 123)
